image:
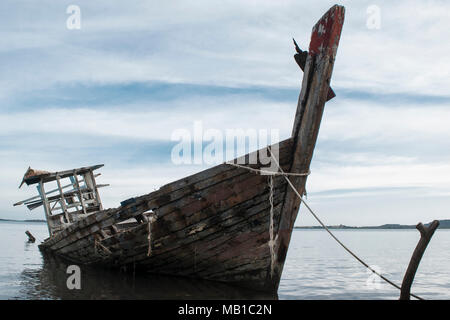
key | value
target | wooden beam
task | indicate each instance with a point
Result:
(425, 236)
(47, 210)
(63, 174)
(95, 188)
(63, 200)
(80, 193)
(316, 83)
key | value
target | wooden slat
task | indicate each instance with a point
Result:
(62, 174)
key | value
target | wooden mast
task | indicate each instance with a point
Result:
(316, 82)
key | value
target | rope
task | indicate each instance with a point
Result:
(270, 173)
(334, 237)
(285, 175)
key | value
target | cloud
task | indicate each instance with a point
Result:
(234, 44)
(114, 91)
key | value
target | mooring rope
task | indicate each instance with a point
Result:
(285, 175)
(269, 173)
(149, 236)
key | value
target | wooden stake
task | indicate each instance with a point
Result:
(425, 236)
(31, 239)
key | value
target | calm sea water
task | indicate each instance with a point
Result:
(316, 268)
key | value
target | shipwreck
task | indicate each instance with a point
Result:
(230, 223)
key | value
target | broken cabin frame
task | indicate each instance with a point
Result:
(63, 207)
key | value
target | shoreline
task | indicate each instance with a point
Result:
(444, 224)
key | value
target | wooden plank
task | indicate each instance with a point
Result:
(27, 201)
(63, 200)
(41, 190)
(316, 82)
(285, 144)
(165, 227)
(80, 193)
(95, 188)
(228, 246)
(226, 223)
(156, 199)
(62, 174)
(233, 262)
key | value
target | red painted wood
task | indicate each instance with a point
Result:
(327, 31)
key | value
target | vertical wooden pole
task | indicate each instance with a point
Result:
(47, 210)
(80, 194)
(63, 200)
(425, 236)
(97, 194)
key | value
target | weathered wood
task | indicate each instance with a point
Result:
(62, 174)
(425, 236)
(300, 58)
(95, 188)
(212, 238)
(217, 169)
(219, 228)
(63, 200)
(163, 195)
(185, 204)
(31, 239)
(316, 82)
(41, 190)
(80, 193)
(215, 224)
(27, 201)
(163, 228)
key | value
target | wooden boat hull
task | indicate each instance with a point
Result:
(213, 225)
(216, 224)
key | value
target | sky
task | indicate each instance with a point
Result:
(115, 90)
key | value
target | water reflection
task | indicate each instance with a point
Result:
(49, 282)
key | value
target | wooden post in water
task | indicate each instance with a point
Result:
(425, 236)
(31, 239)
